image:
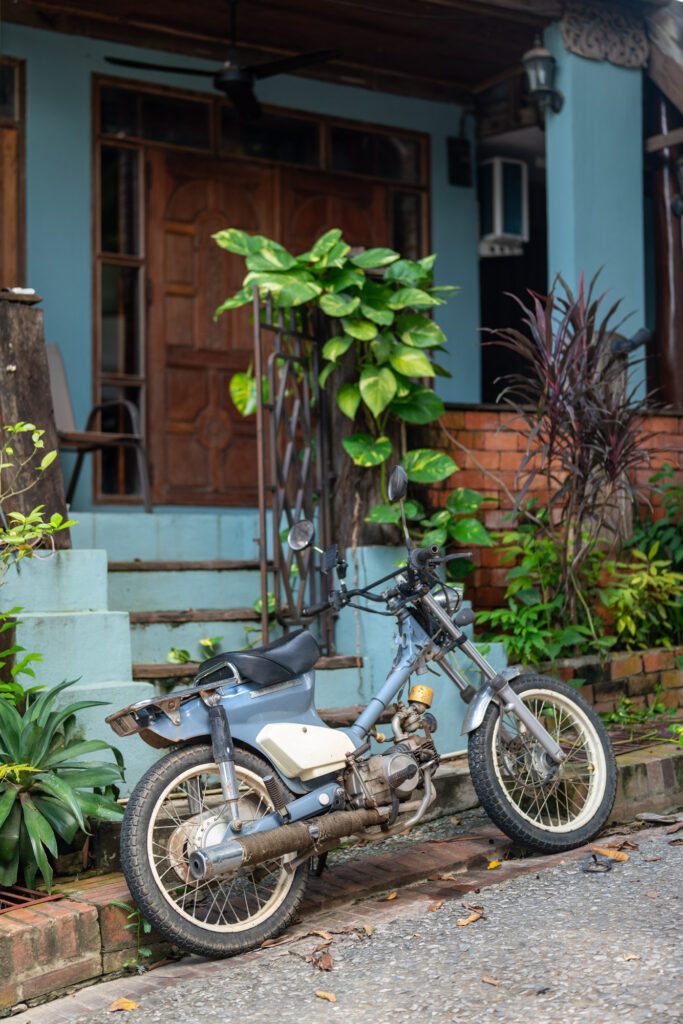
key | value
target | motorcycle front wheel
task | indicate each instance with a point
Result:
(545, 806)
(178, 806)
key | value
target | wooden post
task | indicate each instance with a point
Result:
(25, 395)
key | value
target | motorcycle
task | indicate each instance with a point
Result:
(219, 835)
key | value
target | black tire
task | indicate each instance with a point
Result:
(500, 806)
(145, 885)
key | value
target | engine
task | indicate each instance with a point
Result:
(395, 774)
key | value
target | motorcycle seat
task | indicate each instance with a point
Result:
(276, 662)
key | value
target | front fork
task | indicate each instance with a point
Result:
(497, 683)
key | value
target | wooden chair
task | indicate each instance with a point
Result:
(91, 439)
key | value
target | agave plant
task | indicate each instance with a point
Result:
(46, 788)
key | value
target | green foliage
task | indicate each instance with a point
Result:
(46, 788)
(208, 647)
(627, 714)
(644, 596)
(140, 926)
(677, 730)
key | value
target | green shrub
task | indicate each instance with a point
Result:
(645, 598)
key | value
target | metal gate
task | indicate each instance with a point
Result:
(294, 475)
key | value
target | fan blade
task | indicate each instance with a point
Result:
(243, 99)
(302, 60)
(158, 67)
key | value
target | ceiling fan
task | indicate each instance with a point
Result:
(233, 79)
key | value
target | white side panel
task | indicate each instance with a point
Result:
(305, 751)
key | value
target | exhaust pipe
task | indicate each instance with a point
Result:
(226, 857)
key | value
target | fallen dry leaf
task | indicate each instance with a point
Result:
(276, 942)
(470, 919)
(369, 930)
(649, 860)
(323, 962)
(449, 877)
(630, 956)
(327, 996)
(476, 907)
(123, 1004)
(488, 980)
(391, 896)
(672, 842)
(432, 908)
(455, 821)
(652, 895)
(492, 864)
(675, 828)
(621, 844)
(322, 934)
(611, 852)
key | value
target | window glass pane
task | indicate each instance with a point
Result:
(512, 198)
(175, 121)
(119, 465)
(119, 111)
(289, 140)
(119, 198)
(407, 224)
(486, 199)
(120, 315)
(8, 92)
(384, 156)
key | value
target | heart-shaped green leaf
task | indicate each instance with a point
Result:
(410, 361)
(407, 273)
(239, 242)
(271, 256)
(419, 331)
(381, 347)
(438, 537)
(375, 258)
(364, 330)
(384, 515)
(428, 466)
(339, 303)
(377, 387)
(470, 531)
(336, 347)
(421, 406)
(415, 297)
(366, 450)
(348, 399)
(462, 501)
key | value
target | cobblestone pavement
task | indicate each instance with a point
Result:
(555, 945)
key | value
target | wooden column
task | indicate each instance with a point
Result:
(25, 395)
(664, 119)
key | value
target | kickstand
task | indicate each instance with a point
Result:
(321, 865)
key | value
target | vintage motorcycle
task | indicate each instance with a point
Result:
(219, 835)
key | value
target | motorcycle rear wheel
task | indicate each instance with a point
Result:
(544, 806)
(174, 809)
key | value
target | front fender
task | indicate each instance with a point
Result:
(479, 703)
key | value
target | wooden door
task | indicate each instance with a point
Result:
(202, 451)
(313, 203)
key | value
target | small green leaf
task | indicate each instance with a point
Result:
(240, 298)
(340, 279)
(415, 297)
(419, 331)
(377, 388)
(421, 406)
(364, 330)
(324, 244)
(427, 466)
(238, 241)
(242, 389)
(47, 460)
(470, 531)
(407, 273)
(438, 537)
(271, 256)
(339, 303)
(375, 258)
(326, 373)
(414, 509)
(383, 317)
(367, 451)
(337, 346)
(348, 399)
(410, 362)
(380, 347)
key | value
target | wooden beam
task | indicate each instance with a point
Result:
(534, 12)
(657, 142)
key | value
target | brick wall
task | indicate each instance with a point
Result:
(488, 435)
(636, 674)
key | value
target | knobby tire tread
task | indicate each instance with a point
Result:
(143, 888)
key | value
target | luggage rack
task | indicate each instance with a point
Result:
(17, 897)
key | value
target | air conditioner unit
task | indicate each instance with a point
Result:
(503, 206)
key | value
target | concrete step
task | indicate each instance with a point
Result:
(92, 646)
(63, 581)
(151, 637)
(163, 590)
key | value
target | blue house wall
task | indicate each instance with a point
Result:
(59, 71)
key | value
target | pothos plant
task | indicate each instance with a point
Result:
(383, 350)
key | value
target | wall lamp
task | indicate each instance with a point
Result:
(539, 65)
(677, 203)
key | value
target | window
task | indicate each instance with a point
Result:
(155, 117)
(377, 154)
(12, 243)
(287, 140)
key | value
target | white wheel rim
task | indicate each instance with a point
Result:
(236, 903)
(571, 799)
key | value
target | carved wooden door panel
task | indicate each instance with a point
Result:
(313, 203)
(202, 451)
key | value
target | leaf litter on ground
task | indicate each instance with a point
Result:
(329, 997)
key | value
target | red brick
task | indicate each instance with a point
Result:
(66, 974)
(454, 419)
(500, 441)
(9, 993)
(671, 698)
(656, 661)
(673, 679)
(482, 419)
(625, 665)
(643, 683)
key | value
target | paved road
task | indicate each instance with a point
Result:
(563, 946)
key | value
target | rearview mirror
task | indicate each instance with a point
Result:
(301, 535)
(398, 484)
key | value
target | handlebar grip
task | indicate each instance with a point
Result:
(315, 609)
(421, 557)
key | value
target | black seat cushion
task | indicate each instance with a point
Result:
(277, 662)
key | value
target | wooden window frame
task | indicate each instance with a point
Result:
(18, 124)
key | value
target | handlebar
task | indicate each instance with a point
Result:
(421, 557)
(315, 609)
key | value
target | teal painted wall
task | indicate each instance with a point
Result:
(594, 155)
(58, 157)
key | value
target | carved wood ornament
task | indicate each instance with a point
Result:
(605, 33)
